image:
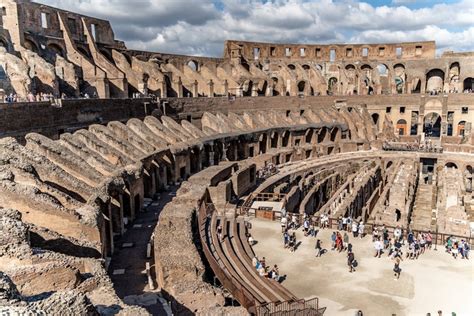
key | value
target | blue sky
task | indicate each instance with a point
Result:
(200, 27)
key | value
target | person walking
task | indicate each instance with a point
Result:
(318, 248)
(396, 267)
(351, 261)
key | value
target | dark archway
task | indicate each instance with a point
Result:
(432, 125)
(468, 84)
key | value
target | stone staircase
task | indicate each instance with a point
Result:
(423, 217)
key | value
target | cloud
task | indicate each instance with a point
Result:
(201, 27)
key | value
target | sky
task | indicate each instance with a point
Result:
(200, 27)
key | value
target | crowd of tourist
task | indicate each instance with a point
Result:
(266, 271)
(268, 170)
(458, 248)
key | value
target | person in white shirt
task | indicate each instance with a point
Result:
(361, 229)
(378, 248)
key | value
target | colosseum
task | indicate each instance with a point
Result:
(136, 182)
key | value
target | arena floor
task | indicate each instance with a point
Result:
(435, 281)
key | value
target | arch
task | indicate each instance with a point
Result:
(332, 85)
(334, 133)
(3, 43)
(402, 127)
(389, 164)
(382, 69)
(30, 45)
(399, 78)
(375, 119)
(247, 87)
(301, 86)
(398, 215)
(468, 84)
(432, 125)
(291, 66)
(309, 136)
(319, 67)
(469, 169)
(322, 134)
(262, 89)
(194, 65)
(56, 49)
(450, 165)
(274, 140)
(461, 127)
(285, 138)
(263, 143)
(274, 86)
(350, 67)
(435, 80)
(306, 67)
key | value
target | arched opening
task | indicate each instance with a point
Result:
(319, 67)
(432, 125)
(285, 139)
(332, 86)
(291, 67)
(461, 126)
(262, 144)
(301, 87)
(400, 77)
(468, 84)
(453, 79)
(193, 65)
(435, 81)
(451, 165)
(398, 215)
(402, 127)
(389, 164)
(306, 67)
(383, 79)
(274, 140)
(309, 136)
(3, 43)
(247, 88)
(30, 45)
(375, 119)
(322, 135)
(275, 86)
(262, 90)
(56, 49)
(334, 134)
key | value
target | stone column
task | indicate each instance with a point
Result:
(254, 91)
(211, 89)
(226, 88)
(195, 89)
(179, 88)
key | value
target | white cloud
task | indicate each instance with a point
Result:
(201, 27)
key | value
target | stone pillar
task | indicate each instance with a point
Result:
(224, 152)
(195, 89)
(240, 92)
(211, 89)
(226, 88)
(421, 115)
(164, 90)
(254, 91)
(179, 88)
(269, 92)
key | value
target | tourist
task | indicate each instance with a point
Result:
(251, 240)
(338, 242)
(467, 248)
(344, 223)
(284, 223)
(378, 248)
(397, 233)
(349, 247)
(429, 239)
(318, 248)
(263, 263)
(275, 273)
(333, 240)
(255, 262)
(454, 250)
(312, 230)
(355, 229)
(306, 227)
(449, 245)
(286, 239)
(292, 243)
(397, 268)
(339, 223)
(345, 241)
(349, 223)
(375, 233)
(361, 229)
(351, 262)
(294, 221)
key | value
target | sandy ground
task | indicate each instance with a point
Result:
(435, 281)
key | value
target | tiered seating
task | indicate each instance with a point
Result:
(234, 256)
